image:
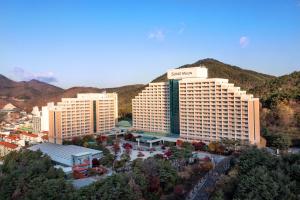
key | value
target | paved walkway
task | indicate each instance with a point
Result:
(202, 190)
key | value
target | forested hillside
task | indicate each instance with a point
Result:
(280, 99)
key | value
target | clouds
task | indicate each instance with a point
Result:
(22, 74)
(158, 35)
(244, 41)
(161, 34)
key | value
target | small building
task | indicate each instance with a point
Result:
(6, 148)
(11, 138)
(67, 156)
(9, 108)
(30, 138)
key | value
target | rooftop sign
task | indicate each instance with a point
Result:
(192, 72)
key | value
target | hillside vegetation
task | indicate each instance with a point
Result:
(280, 112)
(246, 79)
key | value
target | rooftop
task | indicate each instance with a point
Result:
(62, 153)
(124, 123)
(29, 134)
(8, 145)
(12, 137)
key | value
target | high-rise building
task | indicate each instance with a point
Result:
(45, 116)
(151, 108)
(92, 113)
(197, 108)
(40, 119)
(36, 122)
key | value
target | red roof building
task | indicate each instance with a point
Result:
(29, 134)
(8, 145)
(12, 137)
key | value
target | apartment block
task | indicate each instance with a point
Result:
(40, 119)
(197, 108)
(91, 113)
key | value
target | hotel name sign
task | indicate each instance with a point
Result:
(193, 72)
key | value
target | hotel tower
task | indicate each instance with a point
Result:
(197, 108)
(92, 113)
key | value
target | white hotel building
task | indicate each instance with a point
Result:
(197, 108)
(91, 113)
(40, 119)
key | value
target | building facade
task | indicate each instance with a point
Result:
(212, 109)
(6, 148)
(36, 119)
(40, 119)
(151, 108)
(88, 114)
(197, 108)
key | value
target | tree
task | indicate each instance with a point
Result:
(125, 157)
(277, 140)
(88, 138)
(188, 146)
(284, 112)
(31, 175)
(257, 184)
(179, 190)
(128, 136)
(43, 188)
(114, 187)
(116, 148)
(280, 141)
(254, 157)
(101, 139)
(206, 166)
(107, 159)
(168, 175)
(260, 175)
(199, 146)
(179, 143)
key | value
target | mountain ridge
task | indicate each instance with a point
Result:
(38, 93)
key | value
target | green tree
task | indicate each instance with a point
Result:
(167, 175)
(257, 184)
(31, 175)
(280, 141)
(254, 157)
(277, 140)
(115, 187)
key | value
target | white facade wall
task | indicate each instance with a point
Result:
(150, 109)
(212, 109)
(45, 116)
(85, 115)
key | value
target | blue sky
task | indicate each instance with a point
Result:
(113, 43)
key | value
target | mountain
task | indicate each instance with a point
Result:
(280, 96)
(246, 79)
(28, 94)
(25, 94)
(282, 87)
(26, 90)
